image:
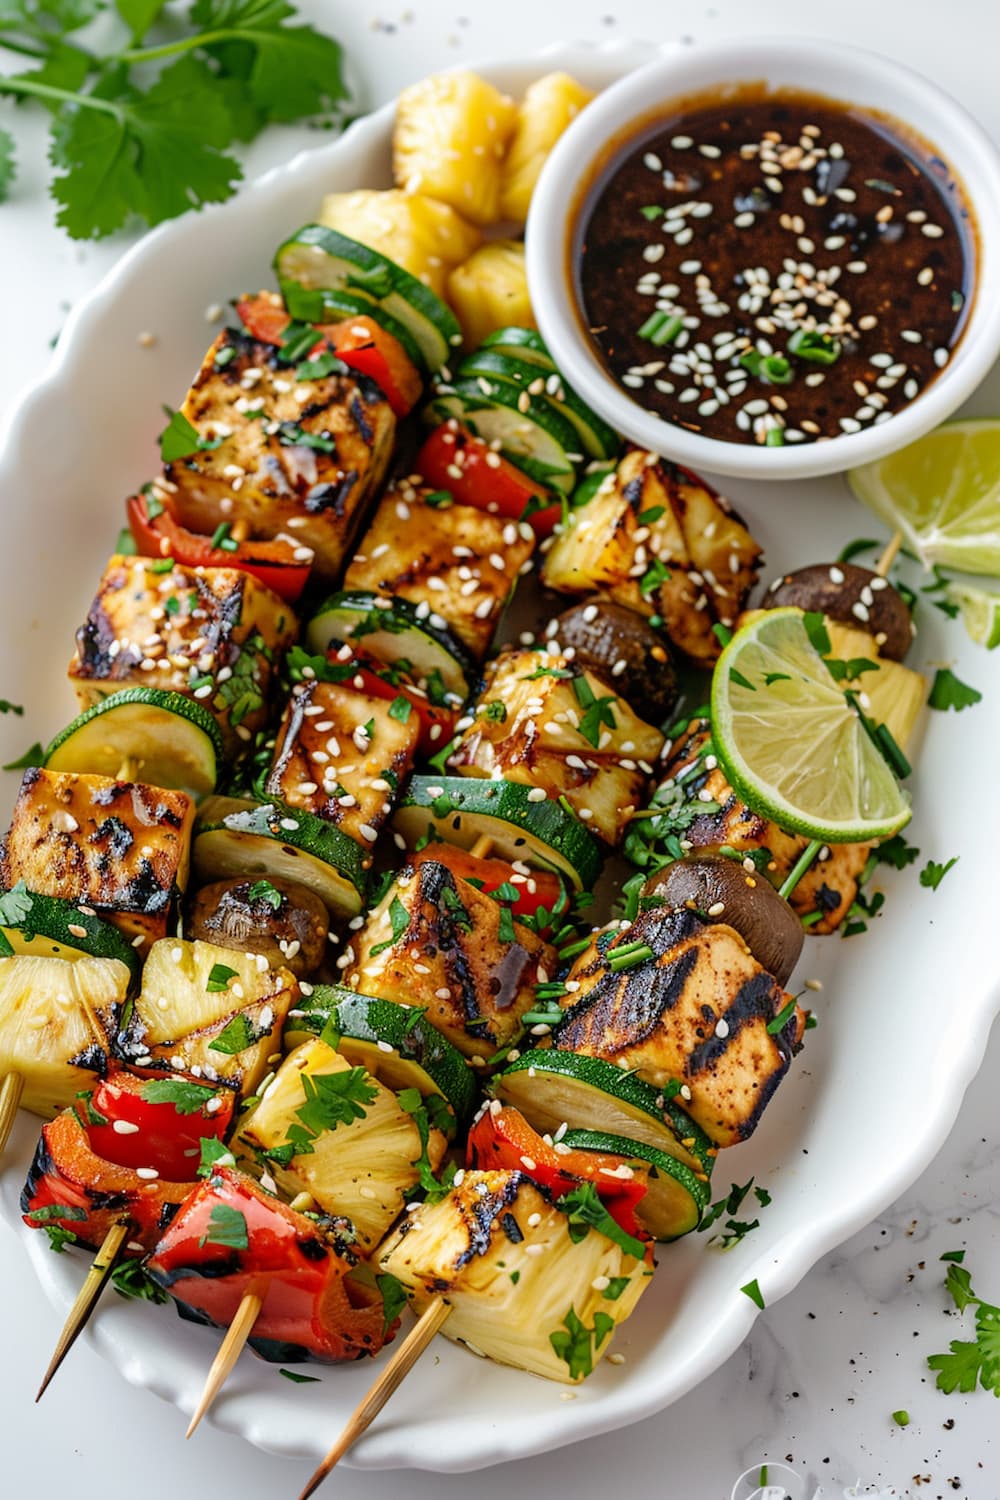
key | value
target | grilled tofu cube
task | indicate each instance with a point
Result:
(696, 1011)
(657, 539)
(116, 846)
(334, 1131)
(461, 562)
(213, 634)
(57, 1020)
(342, 755)
(524, 1288)
(438, 942)
(830, 886)
(539, 721)
(296, 456)
(210, 1012)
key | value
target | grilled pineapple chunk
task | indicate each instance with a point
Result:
(540, 722)
(339, 754)
(490, 291)
(523, 1290)
(360, 1148)
(436, 941)
(57, 1019)
(213, 634)
(543, 114)
(698, 1010)
(283, 455)
(208, 1011)
(658, 540)
(451, 133)
(425, 237)
(461, 562)
(117, 846)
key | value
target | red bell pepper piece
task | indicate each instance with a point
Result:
(142, 1119)
(537, 889)
(272, 563)
(360, 342)
(505, 1140)
(230, 1237)
(453, 459)
(70, 1187)
(378, 680)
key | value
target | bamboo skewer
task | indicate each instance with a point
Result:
(888, 557)
(391, 1378)
(86, 1299)
(230, 1350)
(10, 1097)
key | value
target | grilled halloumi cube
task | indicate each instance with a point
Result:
(116, 846)
(334, 1131)
(57, 1020)
(539, 720)
(523, 1289)
(657, 539)
(295, 456)
(695, 1009)
(438, 942)
(213, 634)
(830, 885)
(342, 756)
(461, 562)
(208, 1011)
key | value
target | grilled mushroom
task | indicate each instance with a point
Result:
(277, 918)
(603, 635)
(856, 596)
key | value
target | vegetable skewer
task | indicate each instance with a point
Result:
(94, 1283)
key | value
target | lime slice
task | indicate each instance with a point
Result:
(980, 612)
(790, 743)
(943, 493)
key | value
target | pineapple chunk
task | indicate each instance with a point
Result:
(451, 134)
(339, 754)
(458, 560)
(360, 1147)
(436, 941)
(564, 733)
(117, 846)
(543, 114)
(490, 291)
(425, 237)
(208, 1011)
(57, 1019)
(523, 1291)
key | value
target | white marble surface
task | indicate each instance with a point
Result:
(818, 1380)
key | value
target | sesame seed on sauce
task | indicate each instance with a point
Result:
(779, 249)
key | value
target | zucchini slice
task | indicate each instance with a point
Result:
(170, 740)
(234, 837)
(318, 259)
(326, 306)
(675, 1196)
(521, 343)
(525, 426)
(552, 1088)
(597, 439)
(53, 928)
(391, 1042)
(461, 809)
(395, 631)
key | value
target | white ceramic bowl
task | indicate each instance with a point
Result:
(847, 74)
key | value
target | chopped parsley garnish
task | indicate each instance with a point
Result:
(656, 574)
(263, 890)
(579, 1346)
(596, 711)
(615, 1287)
(219, 977)
(933, 873)
(331, 1099)
(226, 1226)
(948, 691)
(33, 756)
(393, 1298)
(400, 708)
(241, 692)
(969, 1364)
(505, 930)
(429, 1113)
(59, 1238)
(187, 1098)
(6, 707)
(452, 903)
(293, 435)
(753, 1291)
(180, 438)
(814, 624)
(235, 1036)
(214, 1153)
(131, 1279)
(53, 1211)
(585, 1210)
(901, 1418)
(734, 1230)
(399, 920)
(298, 1378)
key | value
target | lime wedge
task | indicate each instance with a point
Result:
(980, 612)
(790, 743)
(943, 493)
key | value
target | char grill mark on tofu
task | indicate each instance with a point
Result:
(697, 1012)
(212, 634)
(445, 558)
(261, 472)
(325, 762)
(831, 884)
(120, 847)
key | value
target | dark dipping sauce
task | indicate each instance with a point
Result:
(773, 267)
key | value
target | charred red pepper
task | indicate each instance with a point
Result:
(160, 535)
(524, 894)
(453, 459)
(506, 1140)
(141, 1119)
(230, 1237)
(70, 1187)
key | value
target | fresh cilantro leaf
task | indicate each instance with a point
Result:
(295, 70)
(399, 920)
(52, 1211)
(849, 670)
(235, 1036)
(8, 166)
(15, 905)
(299, 1379)
(597, 712)
(400, 708)
(214, 1153)
(393, 1298)
(318, 368)
(949, 691)
(579, 1345)
(753, 1291)
(179, 439)
(131, 1279)
(186, 1097)
(955, 1256)
(59, 1238)
(263, 890)
(226, 1226)
(958, 1283)
(959, 1370)
(506, 931)
(814, 624)
(139, 15)
(426, 1114)
(896, 852)
(218, 978)
(6, 707)
(585, 1210)
(331, 1099)
(969, 1364)
(933, 873)
(242, 693)
(33, 756)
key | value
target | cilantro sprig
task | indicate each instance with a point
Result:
(969, 1363)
